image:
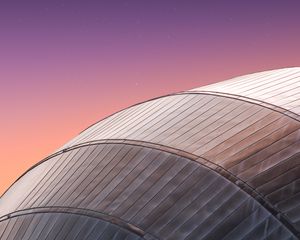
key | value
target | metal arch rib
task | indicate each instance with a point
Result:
(83, 212)
(260, 103)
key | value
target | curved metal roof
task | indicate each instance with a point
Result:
(210, 163)
(280, 88)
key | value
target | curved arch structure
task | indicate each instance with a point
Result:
(216, 162)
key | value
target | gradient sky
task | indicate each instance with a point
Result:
(66, 64)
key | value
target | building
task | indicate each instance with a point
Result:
(216, 162)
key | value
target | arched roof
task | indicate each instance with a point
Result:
(213, 162)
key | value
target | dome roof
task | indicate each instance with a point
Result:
(216, 162)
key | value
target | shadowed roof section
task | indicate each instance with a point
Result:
(216, 162)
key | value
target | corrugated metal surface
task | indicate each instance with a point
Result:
(218, 162)
(168, 196)
(277, 87)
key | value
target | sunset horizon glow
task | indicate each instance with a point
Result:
(66, 65)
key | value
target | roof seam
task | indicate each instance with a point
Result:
(260, 103)
(82, 212)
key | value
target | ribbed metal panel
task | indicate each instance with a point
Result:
(218, 162)
(277, 87)
(168, 196)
